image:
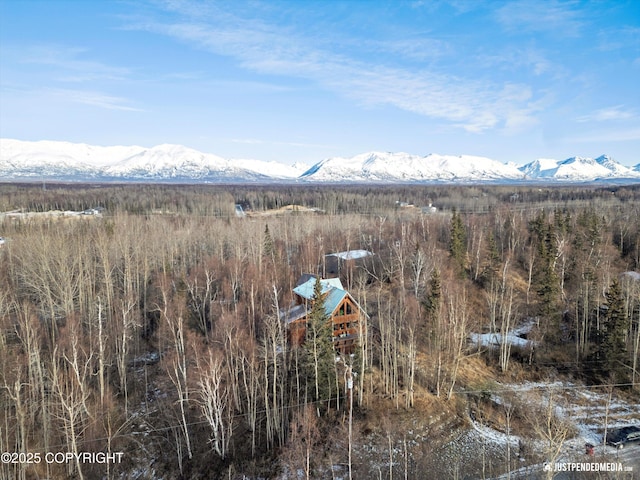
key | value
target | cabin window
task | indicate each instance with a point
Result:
(349, 309)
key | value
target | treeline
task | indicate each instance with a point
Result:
(218, 200)
(154, 329)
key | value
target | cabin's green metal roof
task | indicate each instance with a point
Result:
(333, 299)
(332, 289)
(305, 290)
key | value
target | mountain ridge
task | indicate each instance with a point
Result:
(65, 161)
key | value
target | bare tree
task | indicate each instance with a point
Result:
(214, 402)
(16, 394)
(71, 368)
(202, 293)
(273, 377)
(418, 266)
(458, 321)
(547, 425)
(123, 334)
(177, 363)
(304, 433)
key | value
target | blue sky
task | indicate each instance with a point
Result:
(306, 80)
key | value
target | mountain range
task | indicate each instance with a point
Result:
(63, 161)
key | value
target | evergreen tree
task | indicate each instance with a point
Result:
(611, 351)
(432, 306)
(433, 300)
(546, 280)
(458, 242)
(318, 347)
(268, 248)
(491, 270)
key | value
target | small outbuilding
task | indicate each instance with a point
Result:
(343, 263)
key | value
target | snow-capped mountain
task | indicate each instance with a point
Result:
(20, 160)
(68, 161)
(578, 169)
(273, 169)
(403, 167)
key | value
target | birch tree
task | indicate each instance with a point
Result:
(214, 403)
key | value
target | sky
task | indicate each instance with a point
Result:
(301, 81)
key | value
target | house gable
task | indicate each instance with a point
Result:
(342, 311)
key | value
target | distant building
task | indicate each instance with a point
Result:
(347, 318)
(93, 211)
(240, 211)
(336, 263)
(429, 209)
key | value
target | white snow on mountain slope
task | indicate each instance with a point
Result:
(170, 161)
(81, 162)
(403, 167)
(273, 169)
(21, 154)
(535, 168)
(20, 159)
(613, 166)
(577, 169)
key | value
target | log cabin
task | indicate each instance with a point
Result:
(347, 318)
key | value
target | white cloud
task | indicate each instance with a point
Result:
(87, 97)
(514, 58)
(69, 60)
(418, 49)
(560, 18)
(257, 141)
(601, 136)
(617, 112)
(471, 104)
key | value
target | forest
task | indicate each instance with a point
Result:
(151, 328)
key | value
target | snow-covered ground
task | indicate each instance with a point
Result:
(516, 337)
(589, 410)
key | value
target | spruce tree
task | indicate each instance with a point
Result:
(432, 306)
(611, 351)
(546, 280)
(318, 347)
(490, 272)
(268, 248)
(458, 243)
(433, 300)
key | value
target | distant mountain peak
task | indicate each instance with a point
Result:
(20, 160)
(578, 169)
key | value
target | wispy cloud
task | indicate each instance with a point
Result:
(70, 62)
(418, 49)
(271, 49)
(561, 18)
(602, 136)
(531, 59)
(257, 141)
(620, 38)
(617, 112)
(93, 98)
(60, 67)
